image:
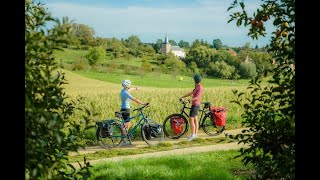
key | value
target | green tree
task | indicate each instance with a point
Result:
(158, 45)
(269, 112)
(247, 70)
(221, 69)
(183, 44)
(96, 55)
(49, 134)
(83, 33)
(217, 44)
(173, 42)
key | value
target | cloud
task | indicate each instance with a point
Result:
(208, 21)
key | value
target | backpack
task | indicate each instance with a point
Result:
(177, 124)
(218, 115)
(106, 128)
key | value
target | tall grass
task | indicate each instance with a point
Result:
(163, 101)
(209, 165)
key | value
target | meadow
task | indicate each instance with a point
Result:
(209, 165)
(104, 96)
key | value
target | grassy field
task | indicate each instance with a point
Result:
(163, 101)
(160, 80)
(209, 165)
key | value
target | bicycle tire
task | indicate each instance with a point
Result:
(169, 131)
(152, 136)
(210, 128)
(111, 141)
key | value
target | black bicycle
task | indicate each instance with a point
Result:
(110, 133)
(176, 125)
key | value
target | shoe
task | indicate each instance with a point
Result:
(191, 137)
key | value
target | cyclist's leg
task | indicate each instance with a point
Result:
(126, 117)
(194, 121)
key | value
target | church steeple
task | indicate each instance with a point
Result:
(167, 39)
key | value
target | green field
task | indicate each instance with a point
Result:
(163, 101)
(209, 165)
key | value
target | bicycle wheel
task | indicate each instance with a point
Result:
(152, 132)
(175, 126)
(210, 128)
(109, 141)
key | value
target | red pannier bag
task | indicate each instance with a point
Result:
(177, 124)
(219, 114)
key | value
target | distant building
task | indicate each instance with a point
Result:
(176, 50)
(232, 52)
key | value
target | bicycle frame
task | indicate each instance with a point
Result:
(203, 111)
(143, 118)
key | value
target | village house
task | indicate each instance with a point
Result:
(176, 50)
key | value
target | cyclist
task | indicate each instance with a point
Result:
(126, 97)
(196, 99)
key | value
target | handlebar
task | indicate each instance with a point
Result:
(140, 108)
(206, 104)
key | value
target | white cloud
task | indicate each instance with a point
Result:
(207, 21)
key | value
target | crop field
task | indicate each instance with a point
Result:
(104, 96)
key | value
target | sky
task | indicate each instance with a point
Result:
(151, 19)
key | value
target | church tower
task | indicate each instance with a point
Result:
(166, 47)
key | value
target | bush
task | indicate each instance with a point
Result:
(80, 64)
(247, 70)
(96, 55)
(49, 134)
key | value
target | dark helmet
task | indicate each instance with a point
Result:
(197, 78)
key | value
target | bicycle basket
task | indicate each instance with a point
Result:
(105, 127)
(177, 124)
(218, 115)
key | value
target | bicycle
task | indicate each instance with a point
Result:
(110, 132)
(176, 124)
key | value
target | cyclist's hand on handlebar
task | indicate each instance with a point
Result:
(146, 104)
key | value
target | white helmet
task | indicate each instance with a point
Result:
(126, 83)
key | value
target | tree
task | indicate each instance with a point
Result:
(172, 42)
(269, 112)
(83, 33)
(216, 43)
(96, 55)
(49, 134)
(158, 45)
(183, 44)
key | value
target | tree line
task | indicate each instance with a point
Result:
(211, 60)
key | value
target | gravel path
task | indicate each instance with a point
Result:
(136, 144)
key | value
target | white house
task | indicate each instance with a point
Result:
(176, 50)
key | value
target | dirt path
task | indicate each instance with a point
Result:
(137, 144)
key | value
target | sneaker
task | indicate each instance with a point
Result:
(191, 137)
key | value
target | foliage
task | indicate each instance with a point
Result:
(247, 70)
(83, 34)
(183, 44)
(217, 44)
(270, 111)
(96, 55)
(173, 42)
(80, 64)
(221, 69)
(49, 136)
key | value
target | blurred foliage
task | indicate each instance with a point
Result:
(269, 112)
(49, 135)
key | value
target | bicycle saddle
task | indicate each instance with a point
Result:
(206, 104)
(119, 114)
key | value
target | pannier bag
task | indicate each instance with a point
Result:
(153, 130)
(106, 128)
(218, 115)
(177, 124)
